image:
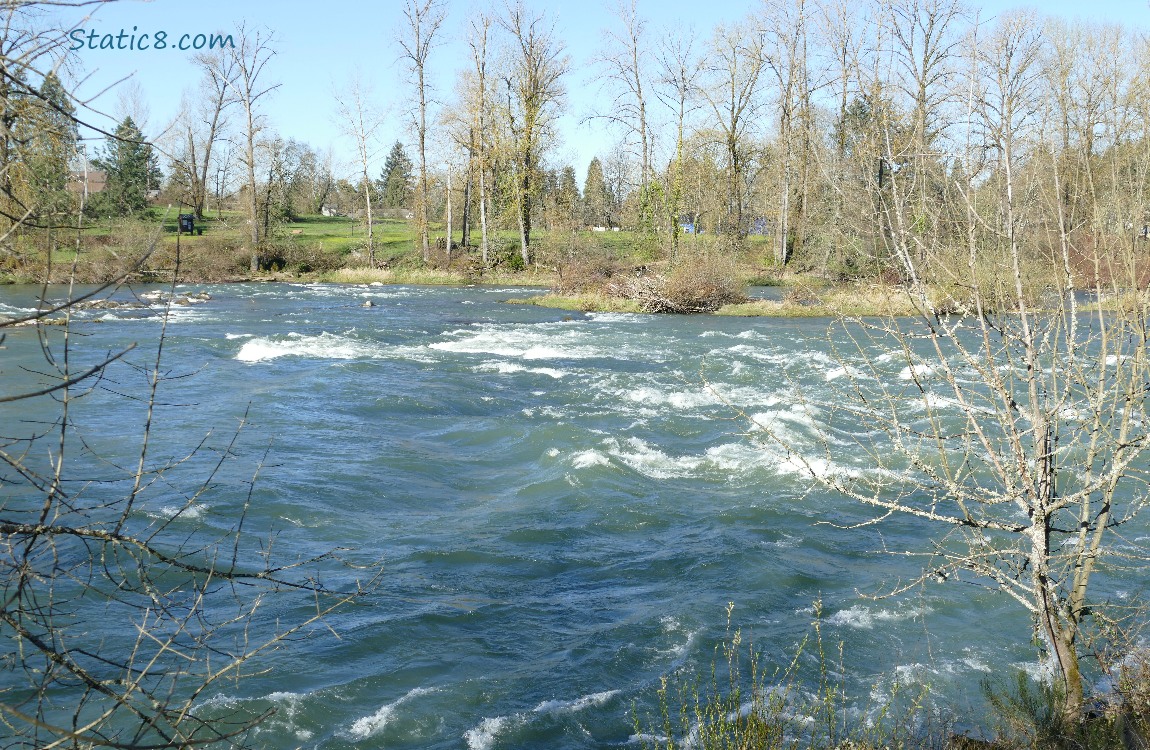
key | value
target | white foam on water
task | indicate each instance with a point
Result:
(369, 726)
(234, 336)
(587, 459)
(744, 458)
(648, 395)
(286, 713)
(739, 457)
(483, 737)
(191, 512)
(782, 422)
(934, 402)
(843, 371)
(283, 719)
(579, 704)
(735, 458)
(11, 311)
(615, 317)
(1072, 414)
(543, 341)
(773, 357)
(565, 340)
(414, 353)
(916, 372)
(323, 346)
(508, 368)
(815, 468)
(684, 648)
(748, 334)
(910, 674)
(1038, 671)
(865, 618)
(649, 460)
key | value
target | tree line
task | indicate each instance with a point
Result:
(845, 133)
(814, 124)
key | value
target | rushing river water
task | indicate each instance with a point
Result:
(563, 506)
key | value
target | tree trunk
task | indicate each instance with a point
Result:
(525, 206)
(370, 220)
(450, 223)
(465, 239)
(422, 197)
(483, 213)
(253, 208)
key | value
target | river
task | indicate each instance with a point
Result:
(562, 505)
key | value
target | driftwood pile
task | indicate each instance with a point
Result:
(661, 294)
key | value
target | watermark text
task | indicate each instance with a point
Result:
(144, 42)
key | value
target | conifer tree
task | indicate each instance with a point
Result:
(49, 149)
(396, 179)
(132, 170)
(597, 199)
(568, 194)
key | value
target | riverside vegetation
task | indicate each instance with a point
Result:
(582, 270)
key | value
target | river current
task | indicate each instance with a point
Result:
(562, 506)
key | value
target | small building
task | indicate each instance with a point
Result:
(88, 182)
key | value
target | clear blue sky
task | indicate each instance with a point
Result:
(319, 45)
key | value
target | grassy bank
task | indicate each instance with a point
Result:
(580, 302)
(590, 272)
(434, 276)
(851, 300)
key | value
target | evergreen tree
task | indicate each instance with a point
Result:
(47, 145)
(44, 142)
(567, 196)
(598, 202)
(132, 170)
(396, 181)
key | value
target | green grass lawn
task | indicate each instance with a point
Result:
(323, 245)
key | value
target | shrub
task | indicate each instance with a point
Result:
(582, 266)
(311, 258)
(213, 259)
(699, 284)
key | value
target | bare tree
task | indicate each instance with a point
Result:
(679, 69)
(424, 17)
(925, 35)
(1020, 430)
(362, 122)
(732, 90)
(477, 40)
(115, 624)
(842, 28)
(626, 64)
(786, 55)
(250, 56)
(534, 94)
(203, 129)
